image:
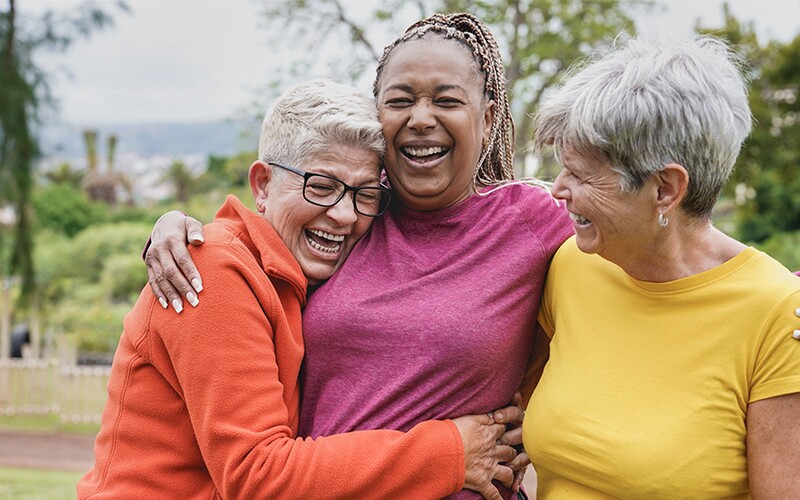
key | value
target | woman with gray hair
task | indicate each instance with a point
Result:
(207, 406)
(673, 372)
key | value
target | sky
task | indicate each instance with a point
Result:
(196, 60)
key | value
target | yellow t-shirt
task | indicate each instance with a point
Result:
(646, 390)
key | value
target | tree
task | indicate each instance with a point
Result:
(182, 180)
(765, 182)
(540, 38)
(23, 89)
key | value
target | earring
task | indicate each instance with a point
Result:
(663, 220)
(260, 207)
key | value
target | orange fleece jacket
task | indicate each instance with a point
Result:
(205, 404)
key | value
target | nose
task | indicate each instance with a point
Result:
(421, 116)
(344, 212)
(559, 188)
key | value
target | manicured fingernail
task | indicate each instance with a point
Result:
(796, 334)
(197, 284)
(797, 312)
(177, 305)
(163, 302)
(192, 298)
(196, 237)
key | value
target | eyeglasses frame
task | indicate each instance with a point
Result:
(307, 175)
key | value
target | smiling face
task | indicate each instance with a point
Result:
(615, 224)
(435, 118)
(320, 238)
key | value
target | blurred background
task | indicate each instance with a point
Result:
(113, 112)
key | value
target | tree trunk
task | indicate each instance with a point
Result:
(5, 318)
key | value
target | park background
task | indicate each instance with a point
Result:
(113, 112)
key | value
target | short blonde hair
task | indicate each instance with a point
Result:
(309, 118)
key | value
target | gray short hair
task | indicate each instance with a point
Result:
(646, 104)
(309, 118)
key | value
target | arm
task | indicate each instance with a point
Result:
(540, 353)
(170, 269)
(773, 447)
(227, 364)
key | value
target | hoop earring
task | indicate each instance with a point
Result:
(663, 220)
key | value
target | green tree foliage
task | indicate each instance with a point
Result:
(766, 181)
(90, 281)
(23, 89)
(237, 168)
(183, 180)
(66, 209)
(540, 38)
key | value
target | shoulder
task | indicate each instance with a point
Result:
(545, 218)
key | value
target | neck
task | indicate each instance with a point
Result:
(681, 250)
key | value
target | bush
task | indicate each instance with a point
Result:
(92, 247)
(123, 278)
(66, 209)
(784, 247)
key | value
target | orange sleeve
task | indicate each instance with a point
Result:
(221, 357)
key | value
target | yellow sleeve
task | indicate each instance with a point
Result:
(777, 366)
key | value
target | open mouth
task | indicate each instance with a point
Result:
(579, 219)
(422, 155)
(324, 242)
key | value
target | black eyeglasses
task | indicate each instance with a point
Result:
(326, 191)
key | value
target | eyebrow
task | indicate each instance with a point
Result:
(404, 87)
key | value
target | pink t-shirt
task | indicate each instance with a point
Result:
(431, 316)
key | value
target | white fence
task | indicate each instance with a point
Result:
(34, 387)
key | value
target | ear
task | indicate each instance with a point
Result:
(488, 120)
(260, 177)
(672, 182)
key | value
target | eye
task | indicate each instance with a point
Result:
(448, 102)
(399, 102)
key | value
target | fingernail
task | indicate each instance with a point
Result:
(177, 305)
(163, 302)
(197, 284)
(797, 312)
(192, 298)
(196, 237)
(498, 418)
(796, 334)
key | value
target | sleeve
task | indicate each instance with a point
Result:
(224, 358)
(777, 366)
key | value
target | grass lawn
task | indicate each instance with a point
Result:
(49, 422)
(33, 484)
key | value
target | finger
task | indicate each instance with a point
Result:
(519, 477)
(509, 415)
(490, 492)
(179, 282)
(169, 291)
(520, 462)
(511, 437)
(153, 269)
(504, 453)
(194, 231)
(504, 475)
(517, 399)
(189, 279)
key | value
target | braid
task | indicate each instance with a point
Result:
(496, 163)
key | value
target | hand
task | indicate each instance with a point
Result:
(170, 269)
(796, 333)
(513, 416)
(483, 455)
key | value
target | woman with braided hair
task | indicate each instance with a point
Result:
(432, 316)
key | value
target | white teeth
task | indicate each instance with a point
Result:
(580, 219)
(424, 151)
(321, 248)
(335, 239)
(327, 236)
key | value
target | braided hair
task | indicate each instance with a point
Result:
(496, 163)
